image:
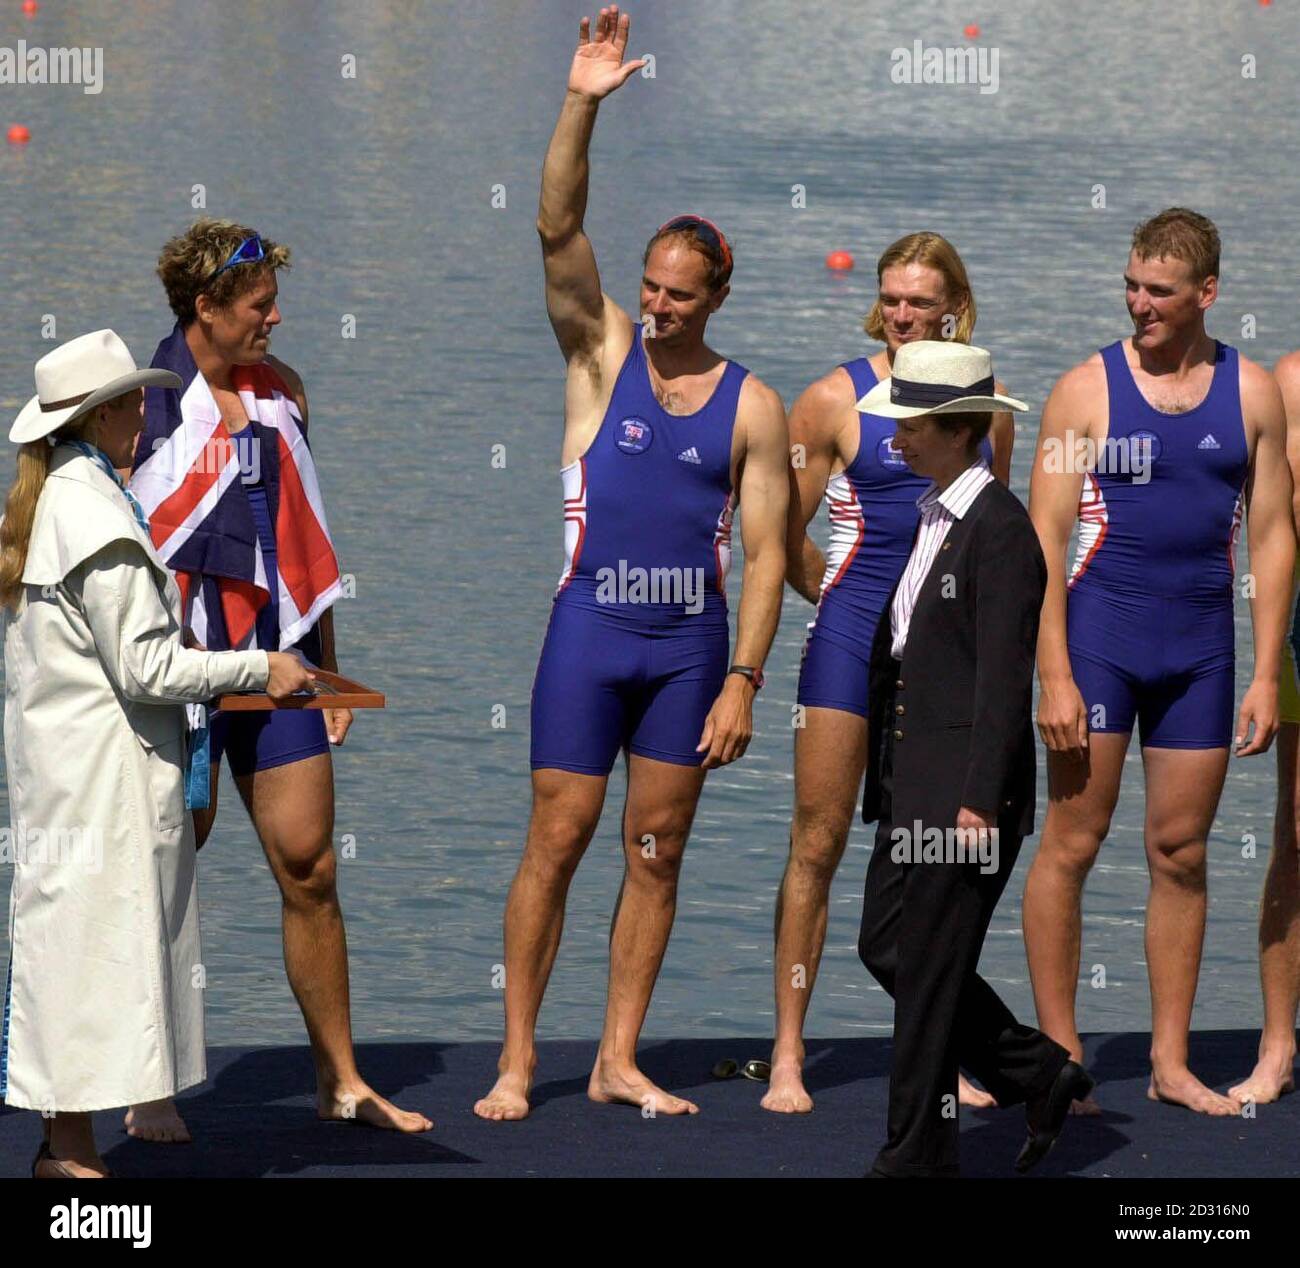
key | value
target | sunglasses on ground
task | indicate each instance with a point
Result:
(759, 1071)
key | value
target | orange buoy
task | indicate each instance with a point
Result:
(972, 31)
(30, 7)
(17, 134)
(839, 260)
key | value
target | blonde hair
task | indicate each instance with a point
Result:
(1179, 234)
(935, 252)
(20, 503)
(188, 262)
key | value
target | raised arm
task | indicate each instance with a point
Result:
(1054, 487)
(1270, 533)
(812, 455)
(578, 310)
(764, 499)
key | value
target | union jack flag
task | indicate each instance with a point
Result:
(187, 475)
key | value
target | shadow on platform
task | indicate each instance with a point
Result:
(255, 1117)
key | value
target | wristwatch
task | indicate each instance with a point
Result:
(755, 676)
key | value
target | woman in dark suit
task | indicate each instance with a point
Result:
(952, 774)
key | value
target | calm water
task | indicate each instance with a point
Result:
(383, 186)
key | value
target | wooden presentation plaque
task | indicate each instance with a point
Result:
(329, 691)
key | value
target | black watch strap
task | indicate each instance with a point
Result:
(754, 675)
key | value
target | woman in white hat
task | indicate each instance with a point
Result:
(103, 1004)
(951, 781)
(848, 459)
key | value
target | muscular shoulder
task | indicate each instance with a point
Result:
(1087, 376)
(1077, 392)
(1287, 375)
(830, 396)
(618, 332)
(832, 391)
(292, 380)
(593, 364)
(1287, 372)
(1260, 393)
(760, 407)
(821, 407)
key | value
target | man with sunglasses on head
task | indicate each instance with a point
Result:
(663, 438)
(225, 476)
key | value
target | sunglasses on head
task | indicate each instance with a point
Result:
(247, 252)
(705, 230)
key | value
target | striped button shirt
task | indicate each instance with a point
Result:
(939, 511)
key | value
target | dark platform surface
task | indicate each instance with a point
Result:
(255, 1117)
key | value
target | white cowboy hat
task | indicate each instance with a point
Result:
(934, 377)
(77, 376)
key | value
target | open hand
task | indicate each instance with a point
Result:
(598, 63)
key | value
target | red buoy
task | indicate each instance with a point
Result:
(972, 31)
(839, 260)
(17, 134)
(30, 7)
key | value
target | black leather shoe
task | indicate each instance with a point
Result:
(1047, 1113)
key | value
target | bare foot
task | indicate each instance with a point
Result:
(785, 1090)
(508, 1099)
(364, 1105)
(969, 1094)
(1089, 1107)
(1182, 1087)
(157, 1121)
(627, 1085)
(1271, 1078)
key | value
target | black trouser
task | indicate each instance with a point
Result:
(923, 925)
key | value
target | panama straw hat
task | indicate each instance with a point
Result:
(77, 376)
(934, 377)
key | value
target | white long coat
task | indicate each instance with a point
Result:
(105, 1000)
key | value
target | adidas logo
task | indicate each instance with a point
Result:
(690, 455)
(1209, 443)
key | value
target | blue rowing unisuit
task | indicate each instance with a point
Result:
(1150, 606)
(652, 492)
(636, 648)
(1170, 531)
(873, 514)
